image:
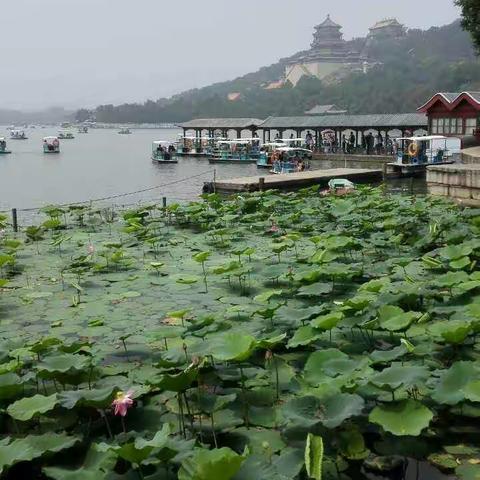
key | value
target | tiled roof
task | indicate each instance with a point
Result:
(323, 109)
(450, 98)
(221, 123)
(328, 22)
(349, 121)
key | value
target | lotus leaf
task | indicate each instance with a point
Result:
(96, 466)
(233, 347)
(407, 417)
(338, 408)
(314, 456)
(401, 375)
(472, 391)
(352, 444)
(450, 388)
(327, 322)
(304, 336)
(33, 446)
(451, 331)
(468, 471)
(394, 319)
(10, 385)
(219, 464)
(28, 407)
(97, 398)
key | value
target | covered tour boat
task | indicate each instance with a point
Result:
(51, 145)
(414, 154)
(125, 131)
(18, 135)
(3, 147)
(82, 129)
(65, 135)
(190, 146)
(164, 151)
(290, 160)
(242, 150)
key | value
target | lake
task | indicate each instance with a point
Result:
(103, 163)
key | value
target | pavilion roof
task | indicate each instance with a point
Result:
(224, 123)
(394, 120)
(452, 99)
(328, 22)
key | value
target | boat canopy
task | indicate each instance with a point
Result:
(163, 142)
(291, 140)
(240, 141)
(274, 144)
(426, 138)
(2, 139)
(293, 149)
(46, 139)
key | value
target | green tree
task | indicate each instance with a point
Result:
(471, 19)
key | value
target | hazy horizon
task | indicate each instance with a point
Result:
(75, 54)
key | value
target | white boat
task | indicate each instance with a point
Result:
(83, 129)
(65, 135)
(3, 147)
(164, 151)
(241, 150)
(18, 135)
(51, 145)
(125, 131)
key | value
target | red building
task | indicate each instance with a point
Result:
(454, 115)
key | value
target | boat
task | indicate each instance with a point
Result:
(242, 150)
(3, 147)
(65, 135)
(164, 151)
(51, 145)
(190, 146)
(18, 135)
(290, 160)
(83, 129)
(415, 154)
(124, 131)
(266, 154)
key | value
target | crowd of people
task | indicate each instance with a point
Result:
(165, 152)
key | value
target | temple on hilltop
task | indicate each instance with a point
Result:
(328, 55)
(387, 28)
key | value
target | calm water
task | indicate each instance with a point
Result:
(99, 164)
(103, 163)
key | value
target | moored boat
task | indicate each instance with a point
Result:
(242, 150)
(51, 145)
(3, 147)
(65, 135)
(290, 160)
(164, 151)
(124, 131)
(18, 135)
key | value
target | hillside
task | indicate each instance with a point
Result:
(407, 72)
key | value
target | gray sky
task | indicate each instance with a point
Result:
(86, 52)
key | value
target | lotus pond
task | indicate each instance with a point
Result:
(271, 336)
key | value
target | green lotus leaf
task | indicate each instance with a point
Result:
(408, 417)
(33, 446)
(260, 441)
(218, 464)
(97, 397)
(468, 471)
(10, 385)
(303, 411)
(28, 407)
(315, 290)
(401, 375)
(335, 410)
(270, 343)
(266, 296)
(352, 444)
(451, 385)
(451, 279)
(387, 356)
(176, 382)
(394, 319)
(444, 461)
(138, 451)
(63, 363)
(96, 466)
(232, 347)
(314, 456)
(327, 322)
(304, 336)
(202, 257)
(472, 391)
(454, 252)
(452, 331)
(461, 263)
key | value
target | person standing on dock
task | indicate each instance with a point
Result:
(352, 143)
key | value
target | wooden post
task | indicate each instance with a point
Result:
(261, 184)
(214, 180)
(14, 220)
(164, 202)
(384, 169)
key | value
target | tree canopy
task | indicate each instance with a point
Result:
(471, 19)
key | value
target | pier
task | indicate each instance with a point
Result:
(292, 181)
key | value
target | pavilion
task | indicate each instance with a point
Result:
(211, 126)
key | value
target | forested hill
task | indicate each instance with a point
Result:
(408, 72)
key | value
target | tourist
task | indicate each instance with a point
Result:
(309, 140)
(369, 140)
(352, 142)
(344, 144)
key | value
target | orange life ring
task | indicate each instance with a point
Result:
(413, 149)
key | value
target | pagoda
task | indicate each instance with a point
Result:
(328, 54)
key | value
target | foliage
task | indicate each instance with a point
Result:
(471, 19)
(323, 352)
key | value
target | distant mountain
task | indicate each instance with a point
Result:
(407, 71)
(50, 115)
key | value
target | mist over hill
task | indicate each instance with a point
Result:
(406, 72)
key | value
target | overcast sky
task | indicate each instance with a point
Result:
(85, 52)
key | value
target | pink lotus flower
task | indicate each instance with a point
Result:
(274, 228)
(122, 403)
(91, 249)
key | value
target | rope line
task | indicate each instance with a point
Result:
(111, 197)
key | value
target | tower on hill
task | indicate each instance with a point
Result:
(328, 55)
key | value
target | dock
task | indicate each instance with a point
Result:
(401, 170)
(292, 181)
